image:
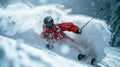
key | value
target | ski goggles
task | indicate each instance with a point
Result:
(49, 25)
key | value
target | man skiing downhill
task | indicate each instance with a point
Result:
(55, 32)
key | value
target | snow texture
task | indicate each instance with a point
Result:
(112, 58)
(17, 54)
(23, 23)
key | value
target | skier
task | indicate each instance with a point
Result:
(55, 32)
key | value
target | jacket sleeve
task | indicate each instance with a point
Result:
(43, 33)
(68, 26)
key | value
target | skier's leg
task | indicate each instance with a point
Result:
(49, 46)
(79, 50)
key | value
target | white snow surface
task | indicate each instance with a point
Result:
(17, 54)
(23, 23)
(112, 58)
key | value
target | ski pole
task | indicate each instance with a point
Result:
(101, 9)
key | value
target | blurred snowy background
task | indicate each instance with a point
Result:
(84, 7)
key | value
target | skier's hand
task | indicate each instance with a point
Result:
(79, 31)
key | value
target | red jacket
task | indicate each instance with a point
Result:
(57, 31)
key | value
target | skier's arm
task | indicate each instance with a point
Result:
(69, 26)
(43, 35)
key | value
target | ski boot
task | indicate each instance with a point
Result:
(93, 61)
(49, 46)
(81, 56)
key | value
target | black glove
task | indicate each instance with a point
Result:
(79, 31)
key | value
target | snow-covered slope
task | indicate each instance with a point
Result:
(24, 24)
(112, 58)
(17, 54)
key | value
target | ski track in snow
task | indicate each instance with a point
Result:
(24, 24)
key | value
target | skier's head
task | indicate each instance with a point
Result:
(49, 22)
